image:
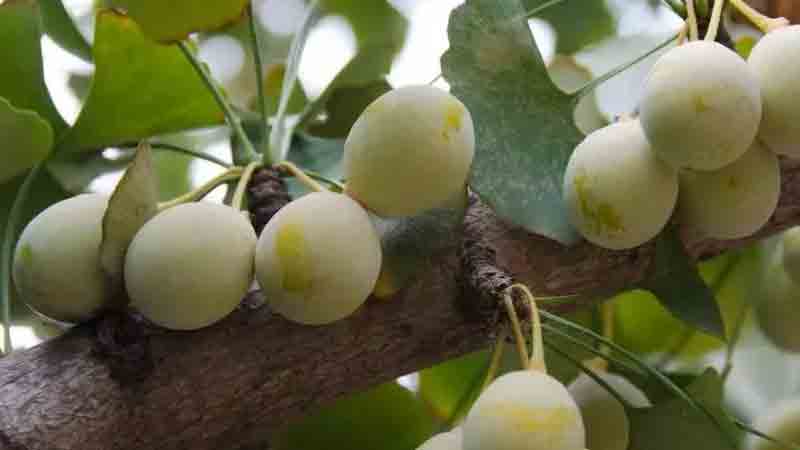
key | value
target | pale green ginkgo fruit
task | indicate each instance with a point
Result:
(409, 151)
(57, 260)
(524, 410)
(618, 194)
(318, 259)
(734, 201)
(604, 417)
(701, 106)
(775, 61)
(777, 304)
(190, 265)
(451, 440)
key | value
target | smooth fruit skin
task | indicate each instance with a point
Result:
(57, 260)
(318, 259)
(701, 106)
(190, 265)
(735, 201)
(618, 194)
(604, 417)
(775, 61)
(409, 151)
(524, 410)
(451, 440)
(782, 422)
(791, 253)
(778, 305)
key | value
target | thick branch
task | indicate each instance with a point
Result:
(230, 385)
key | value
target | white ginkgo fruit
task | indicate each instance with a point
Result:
(781, 421)
(701, 106)
(775, 61)
(409, 151)
(56, 267)
(318, 258)
(524, 410)
(604, 417)
(618, 194)
(190, 265)
(734, 201)
(451, 440)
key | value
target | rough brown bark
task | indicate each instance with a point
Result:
(230, 385)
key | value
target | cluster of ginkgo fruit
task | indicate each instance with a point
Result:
(531, 410)
(705, 145)
(317, 260)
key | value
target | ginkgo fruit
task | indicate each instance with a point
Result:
(57, 268)
(604, 417)
(618, 194)
(782, 422)
(524, 410)
(451, 440)
(409, 151)
(775, 61)
(734, 201)
(318, 259)
(190, 265)
(777, 305)
(701, 106)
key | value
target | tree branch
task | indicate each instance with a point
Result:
(230, 385)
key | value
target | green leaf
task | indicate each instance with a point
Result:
(451, 387)
(323, 156)
(376, 24)
(28, 139)
(676, 282)
(410, 243)
(524, 126)
(570, 77)
(387, 417)
(140, 88)
(75, 172)
(345, 105)
(61, 28)
(21, 76)
(174, 20)
(133, 202)
(578, 23)
(674, 424)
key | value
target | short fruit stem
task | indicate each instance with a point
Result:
(764, 23)
(517, 329)
(537, 343)
(497, 354)
(234, 173)
(691, 20)
(716, 18)
(302, 176)
(238, 196)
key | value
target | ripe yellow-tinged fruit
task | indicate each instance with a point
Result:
(451, 440)
(734, 201)
(191, 265)
(618, 194)
(781, 422)
(524, 410)
(701, 106)
(791, 253)
(57, 260)
(775, 61)
(318, 259)
(409, 151)
(778, 305)
(604, 417)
